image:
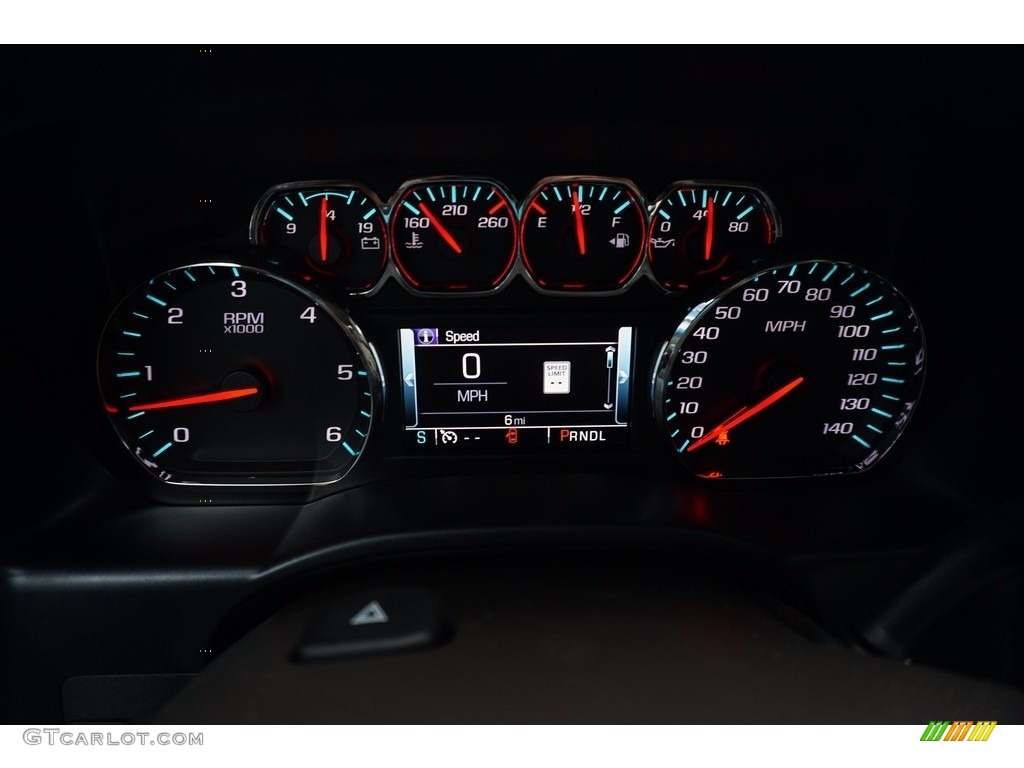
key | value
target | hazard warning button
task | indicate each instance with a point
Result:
(386, 621)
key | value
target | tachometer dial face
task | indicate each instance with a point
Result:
(702, 234)
(811, 368)
(217, 374)
(582, 233)
(453, 234)
(336, 230)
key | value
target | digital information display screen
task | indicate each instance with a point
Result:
(516, 388)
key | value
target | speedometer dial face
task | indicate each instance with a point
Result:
(217, 374)
(806, 369)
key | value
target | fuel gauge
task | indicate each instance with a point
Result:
(335, 229)
(583, 234)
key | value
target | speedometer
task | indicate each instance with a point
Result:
(812, 368)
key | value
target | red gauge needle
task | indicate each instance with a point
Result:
(440, 228)
(746, 413)
(323, 228)
(581, 237)
(709, 233)
(214, 397)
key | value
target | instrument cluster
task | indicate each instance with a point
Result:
(469, 236)
(288, 369)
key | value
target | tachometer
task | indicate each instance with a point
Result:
(812, 368)
(217, 374)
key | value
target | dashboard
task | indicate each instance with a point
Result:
(737, 346)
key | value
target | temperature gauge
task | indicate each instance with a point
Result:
(453, 234)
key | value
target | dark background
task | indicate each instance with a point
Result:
(901, 159)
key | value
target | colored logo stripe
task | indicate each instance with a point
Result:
(935, 730)
(959, 730)
(982, 730)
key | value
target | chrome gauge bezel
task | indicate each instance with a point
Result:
(667, 357)
(261, 212)
(770, 212)
(352, 332)
(638, 272)
(641, 273)
(394, 272)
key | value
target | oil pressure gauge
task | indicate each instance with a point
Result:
(703, 234)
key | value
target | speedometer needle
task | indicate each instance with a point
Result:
(214, 397)
(581, 237)
(709, 233)
(323, 228)
(440, 228)
(745, 414)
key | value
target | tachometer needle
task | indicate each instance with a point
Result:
(440, 229)
(323, 228)
(213, 397)
(746, 413)
(581, 237)
(709, 233)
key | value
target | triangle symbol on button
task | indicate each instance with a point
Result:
(371, 613)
